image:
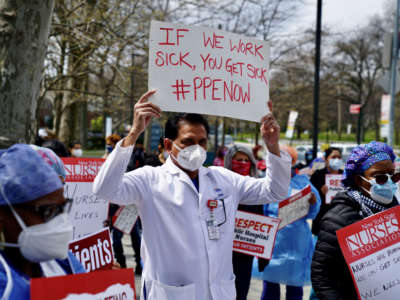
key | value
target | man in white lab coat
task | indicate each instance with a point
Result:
(187, 210)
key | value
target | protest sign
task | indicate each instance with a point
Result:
(294, 207)
(110, 284)
(88, 212)
(255, 234)
(385, 115)
(371, 248)
(208, 71)
(334, 184)
(94, 251)
(291, 123)
(126, 218)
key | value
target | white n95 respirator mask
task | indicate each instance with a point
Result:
(46, 241)
(192, 157)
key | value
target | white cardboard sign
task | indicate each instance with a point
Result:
(295, 207)
(255, 234)
(371, 248)
(291, 123)
(334, 184)
(88, 212)
(126, 218)
(208, 71)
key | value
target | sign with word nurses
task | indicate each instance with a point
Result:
(295, 207)
(110, 284)
(385, 115)
(334, 184)
(88, 212)
(371, 248)
(126, 218)
(208, 71)
(255, 234)
(291, 123)
(94, 251)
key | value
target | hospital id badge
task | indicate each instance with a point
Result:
(213, 229)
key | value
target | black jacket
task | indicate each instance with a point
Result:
(330, 275)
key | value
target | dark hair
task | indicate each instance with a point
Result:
(330, 150)
(58, 147)
(72, 144)
(172, 125)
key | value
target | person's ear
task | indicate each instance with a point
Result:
(168, 145)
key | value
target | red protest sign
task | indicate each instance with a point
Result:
(371, 248)
(255, 234)
(94, 251)
(82, 169)
(88, 212)
(334, 184)
(111, 284)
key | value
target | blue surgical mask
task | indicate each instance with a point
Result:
(335, 163)
(109, 148)
(382, 193)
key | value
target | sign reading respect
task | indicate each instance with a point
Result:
(255, 234)
(371, 248)
(209, 71)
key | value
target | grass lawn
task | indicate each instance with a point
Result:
(98, 153)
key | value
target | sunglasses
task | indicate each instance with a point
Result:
(383, 178)
(49, 211)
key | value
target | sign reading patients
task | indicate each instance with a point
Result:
(209, 71)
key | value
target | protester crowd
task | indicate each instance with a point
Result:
(185, 236)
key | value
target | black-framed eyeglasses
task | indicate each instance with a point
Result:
(49, 211)
(223, 207)
(383, 178)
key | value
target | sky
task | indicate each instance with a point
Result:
(340, 15)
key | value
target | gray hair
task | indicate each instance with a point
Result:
(238, 148)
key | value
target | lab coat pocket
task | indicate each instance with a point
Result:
(160, 291)
(228, 290)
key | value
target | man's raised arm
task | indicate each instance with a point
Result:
(110, 183)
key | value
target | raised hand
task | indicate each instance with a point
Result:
(270, 131)
(144, 111)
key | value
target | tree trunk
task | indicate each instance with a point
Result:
(24, 31)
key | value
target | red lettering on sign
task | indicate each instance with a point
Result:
(246, 48)
(167, 37)
(250, 224)
(215, 42)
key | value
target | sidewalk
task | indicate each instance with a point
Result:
(255, 286)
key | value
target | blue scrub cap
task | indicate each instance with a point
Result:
(25, 176)
(363, 157)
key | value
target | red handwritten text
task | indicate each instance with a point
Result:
(247, 48)
(215, 42)
(167, 36)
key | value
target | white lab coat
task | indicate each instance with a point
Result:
(180, 261)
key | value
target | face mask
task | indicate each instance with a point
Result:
(335, 163)
(108, 148)
(241, 167)
(381, 193)
(77, 152)
(46, 241)
(191, 158)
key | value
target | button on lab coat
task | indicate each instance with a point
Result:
(180, 261)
